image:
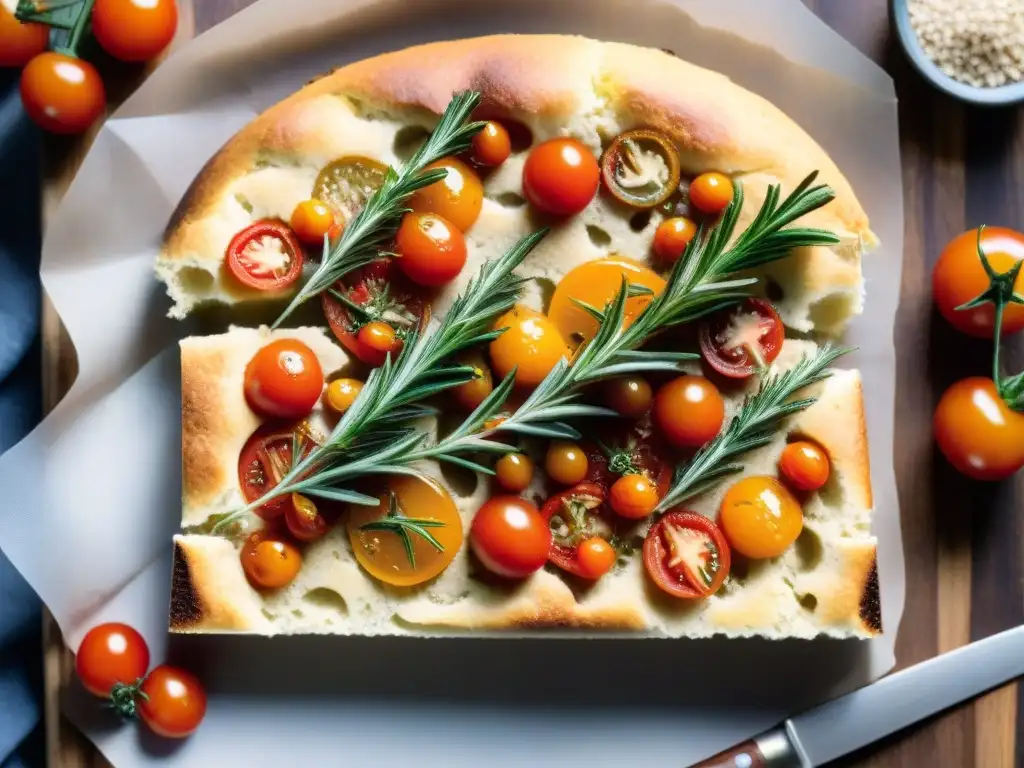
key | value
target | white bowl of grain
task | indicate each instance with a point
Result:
(971, 49)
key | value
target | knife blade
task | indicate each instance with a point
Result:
(857, 719)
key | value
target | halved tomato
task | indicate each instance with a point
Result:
(265, 256)
(346, 184)
(377, 292)
(574, 516)
(265, 458)
(634, 450)
(641, 168)
(740, 340)
(686, 555)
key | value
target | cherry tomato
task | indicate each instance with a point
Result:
(977, 432)
(597, 283)
(110, 654)
(378, 535)
(573, 518)
(760, 517)
(804, 465)
(641, 168)
(265, 256)
(431, 251)
(510, 537)
(385, 295)
(304, 518)
(686, 555)
(266, 457)
(532, 345)
(738, 341)
(595, 557)
(458, 197)
(566, 463)
(134, 30)
(514, 472)
(469, 395)
(20, 41)
(492, 145)
(634, 496)
(310, 221)
(560, 176)
(671, 238)
(346, 184)
(283, 380)
(174, 703)
(341, 393)
(959, 277)
(380, 338)
(629, 396)
(270, 562)
(62, 94)
(711, 192)
(689, 411)
(634, 450)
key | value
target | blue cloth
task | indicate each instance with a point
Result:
(21, 742)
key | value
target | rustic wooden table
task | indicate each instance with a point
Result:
(964, 543)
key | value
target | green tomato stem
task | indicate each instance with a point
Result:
(78, 30)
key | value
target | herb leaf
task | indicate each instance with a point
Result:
(397, 523)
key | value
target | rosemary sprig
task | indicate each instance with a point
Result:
(379, 219)
(752, 426)
(397, 523)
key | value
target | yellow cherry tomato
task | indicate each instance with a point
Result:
(341, 393)
(514, 471)
(760, 517)
(458, 197)
(311, 220)
(566, 463)
(532, 345)
(469, 395)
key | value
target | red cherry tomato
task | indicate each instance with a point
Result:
(383, 292)
(265, 256)
(510, 537)
(62, 94)
(20, 41)
(284, 380)
(672, 237)
(977, 432)
(432, 251)
(134, 30)
(686, 555)
(111, 654)
(308, 520)
(737, 341)
(572, 517)
(689, 411)
(174, 703)
(265, 458)
(959, 277)
(560, 176)
(804, 465)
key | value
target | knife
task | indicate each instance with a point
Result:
(857, 719)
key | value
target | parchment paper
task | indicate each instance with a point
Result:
(91, 497)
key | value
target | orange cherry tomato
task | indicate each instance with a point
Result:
(532, 345)
(634, 496)
(560, 176)
(514, 471)
(134, 30)
(380, 338)
(510, 537)
(760, 517)
(283, 380)
(268, 562)
(62, 94)
(566, 463)
(686, 555)
(671, 238)
(959, 277)
(174, 704)
(595, 557)
(431, 251)
(305, 520)
(492, 145)
(310, 221)
(804, 465)
(689, 411)
(711, 192)
(341, 393)
(469, 395)
(111, 654)
(458, 197)
(597, 283)
(977, 432)
(20, 41)
(629, 396)
(265, 256)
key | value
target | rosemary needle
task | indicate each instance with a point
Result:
(397, 523)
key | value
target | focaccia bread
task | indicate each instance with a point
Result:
(825, 584)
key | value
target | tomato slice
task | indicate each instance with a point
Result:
(740, 340)
(265, 256)
(686, 555)
(346, 184)
(570, 514)
(641, 168)
(265, 458)
(383, 294)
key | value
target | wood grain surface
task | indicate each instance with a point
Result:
(964, 542)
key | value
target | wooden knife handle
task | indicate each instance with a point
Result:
(745, 755)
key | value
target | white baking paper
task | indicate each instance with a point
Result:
(91, 497)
